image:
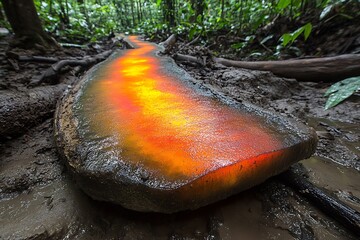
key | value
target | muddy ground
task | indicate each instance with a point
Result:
(38, 199)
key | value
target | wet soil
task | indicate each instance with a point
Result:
(39, 200)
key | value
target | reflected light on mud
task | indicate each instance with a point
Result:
(168, 129)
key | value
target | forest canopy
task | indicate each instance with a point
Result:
(89, 20)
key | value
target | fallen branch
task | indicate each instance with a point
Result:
(194, 40)
(313, 69)
(169, 43)
(188, 58)
(19, 111)
(53, 71)
(73, 45)
(14, 64)
(37, 59)
(265, 47)
(344, 214)
(41, 59)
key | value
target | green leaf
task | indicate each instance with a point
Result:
(297, 33)
(332, 89)
(255, 54)
(286, 39)
(335, 87)
(307, 30)
(266, 39)
(340, 91)
(283, 4)
(291, 37)
(250, 38)
(192, 33)
(198, 19)
(326, 11)
(238, 45)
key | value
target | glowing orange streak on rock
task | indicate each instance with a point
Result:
(170, 130)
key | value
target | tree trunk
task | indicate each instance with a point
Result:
(118, 6)
(127, 19)
(80, 3)
(26, 24)
(2, 18)
(169, 12)
(222, 9)
(138, 11)
(51, 7)
(198, 6)
(132, 13)
(84, 11)
(63, 15)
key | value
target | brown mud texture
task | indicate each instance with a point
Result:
(38, 200)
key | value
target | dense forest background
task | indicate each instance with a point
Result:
(222, 25)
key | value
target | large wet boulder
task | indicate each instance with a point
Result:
(140, 132)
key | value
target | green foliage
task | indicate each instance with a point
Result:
(282, 4)
(92, 19)
(248, 40)
(340, 91)
(291, 37)
(3, 22)
(84, 20)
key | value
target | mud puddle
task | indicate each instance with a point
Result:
(269, 211)
(343, 182)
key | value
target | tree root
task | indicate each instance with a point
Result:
(36, 40)
(52, 73)
(331, 206)
(39, 59)
(19, 111)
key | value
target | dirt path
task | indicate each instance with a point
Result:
(39, 201)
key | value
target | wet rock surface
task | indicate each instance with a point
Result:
(186, 151)
(269, 211)
(336, 127)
